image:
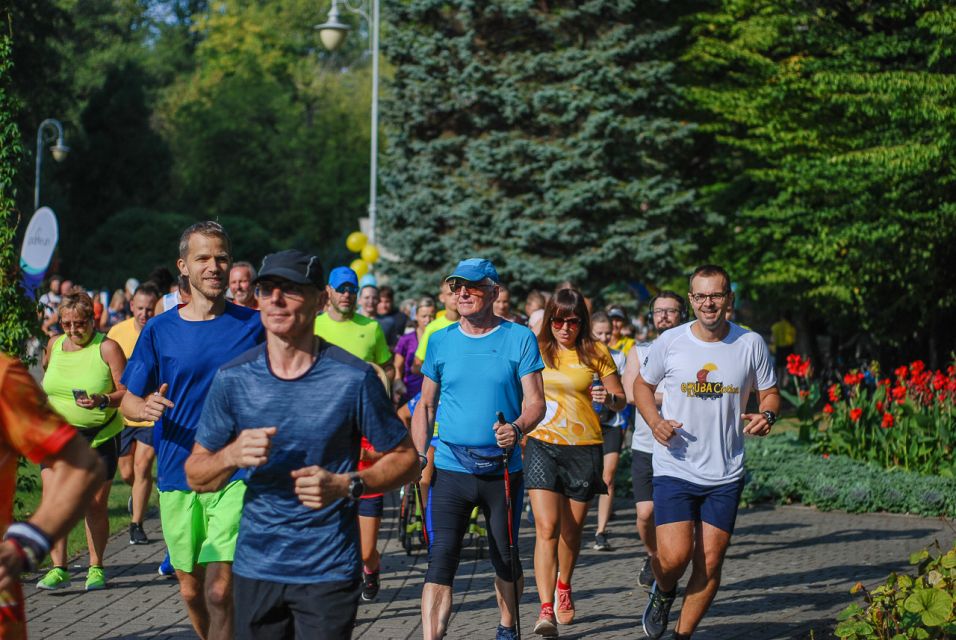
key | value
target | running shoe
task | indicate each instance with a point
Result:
(166, 567)
(546, 626)
(506, 633)
(370, 586)
(55, 578)
(658, 610)
(600, 542)
(564, 611)
(95, 579)
(646, 579)
(137, 535)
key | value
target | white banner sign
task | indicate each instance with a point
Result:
(39, 241)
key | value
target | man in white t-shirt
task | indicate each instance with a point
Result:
(667, 311)
(706, 370)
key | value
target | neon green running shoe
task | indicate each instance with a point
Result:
(55, 578)
(95, 579)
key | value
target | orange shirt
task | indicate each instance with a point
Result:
(28, 427)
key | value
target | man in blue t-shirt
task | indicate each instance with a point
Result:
(477, 367)
(167, 378)
(293, 412)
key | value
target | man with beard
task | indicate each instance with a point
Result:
(706, 370)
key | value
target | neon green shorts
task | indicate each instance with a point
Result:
(201, 527)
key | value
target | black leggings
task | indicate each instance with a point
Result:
(451, 499)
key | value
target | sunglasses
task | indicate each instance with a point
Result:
(346, 288)
(291, 290)
(459, 287)
(570, 323)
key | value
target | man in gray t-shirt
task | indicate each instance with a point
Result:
(706, 370)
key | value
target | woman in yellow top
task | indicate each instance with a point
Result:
(563, 457)
(82, 382)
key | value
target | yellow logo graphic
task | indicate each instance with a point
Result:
(703, 388)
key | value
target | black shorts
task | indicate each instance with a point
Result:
(108, 452)
(371, 507)
(613, 439)
(451, 499)
(575, 471)
(134, 434)
(642, 476)
(268, 610)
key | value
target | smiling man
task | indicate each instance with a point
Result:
(241, 277)
(297, 567)
(168, 376)
(706, 370)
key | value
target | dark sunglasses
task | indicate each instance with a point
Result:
(291, 290)
(346, 288)
(458, 287)
(571, 323)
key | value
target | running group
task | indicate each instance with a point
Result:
(280, 405)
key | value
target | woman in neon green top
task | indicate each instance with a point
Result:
(82, 382)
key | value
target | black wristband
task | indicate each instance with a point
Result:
(770, 416)
(32, 543)
(519, 434)
(423, 460)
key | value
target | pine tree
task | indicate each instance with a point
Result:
(541, 135)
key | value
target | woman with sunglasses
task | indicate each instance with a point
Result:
(82, 382)
(563, 458)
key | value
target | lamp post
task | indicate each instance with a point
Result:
(59, 151)
(332, 33)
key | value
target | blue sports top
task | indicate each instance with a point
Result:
(185, 355)
(478, 376)
(319, 419)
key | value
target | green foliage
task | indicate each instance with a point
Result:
(834, 156)
(17, 314)
(918, 607)
(540, 135)
(781, 470)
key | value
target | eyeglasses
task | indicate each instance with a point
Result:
(665, 312)
(700, 298)
(458, 288)
(570, 323)
(346, 288)
(78, 324)
(289, 290)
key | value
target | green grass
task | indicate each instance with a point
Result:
(76, 542)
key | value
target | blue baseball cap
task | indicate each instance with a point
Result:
(341, 275)
(475, 270)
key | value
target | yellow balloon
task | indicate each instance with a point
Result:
(370, 253)
(356, 241)
(360, 267)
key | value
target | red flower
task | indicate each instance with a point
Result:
(834, 393)
(803, 393)
(793, 364)
(826, 456)
(828, 408)
(898, 393)
(917, 367)
(901, 372)
(804, 370)
(939, 381)
(849, 379)
(887, 420)
(879, 405)
(855, 414)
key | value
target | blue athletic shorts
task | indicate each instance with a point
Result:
(130, 434)
(371, 507)
(451, 499)
(677, 500)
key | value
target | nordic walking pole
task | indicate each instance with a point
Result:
(512, 544)
(418, 494)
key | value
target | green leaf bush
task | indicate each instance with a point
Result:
(781, 470)
(906, 607)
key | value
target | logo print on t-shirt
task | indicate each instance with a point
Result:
(705, 388)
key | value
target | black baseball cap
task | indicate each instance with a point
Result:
(293, 265)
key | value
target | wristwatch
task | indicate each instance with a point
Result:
(105, 402)
(356, 487)
(770, 416)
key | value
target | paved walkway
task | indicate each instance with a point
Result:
(788, 572)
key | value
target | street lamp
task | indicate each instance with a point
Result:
(332, 33)
(59, 151)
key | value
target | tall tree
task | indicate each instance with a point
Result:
(833, 161)
(543, 135)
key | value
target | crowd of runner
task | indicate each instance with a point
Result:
(280, 404)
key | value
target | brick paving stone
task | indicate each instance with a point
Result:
(788, 572)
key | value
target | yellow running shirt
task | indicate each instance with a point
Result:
(433, 326)
(360, 336)
(126, 334)
(570, 418)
